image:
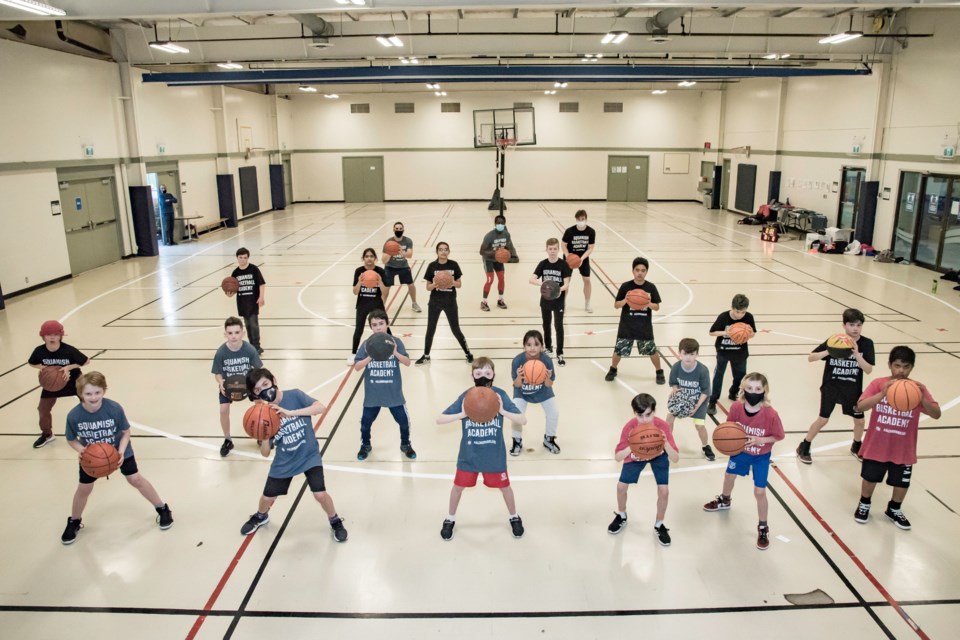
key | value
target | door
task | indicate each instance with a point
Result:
(627, 178)
(905, 228)
(938, 237)
(166, 174)
(363, 179)
(90, 221)
(725, 184)
(850, 183)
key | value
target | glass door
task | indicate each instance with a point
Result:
(950, 254)
(905, 228)
(939, 233)
(850, 183)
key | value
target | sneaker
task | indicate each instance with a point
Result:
(484, 306)
(259, 351)
(70, 533)
(516, 525)
(550, 444)
(619, 522)
(588, 308)
(732, 397)
(352, 359)
(549, 351)
(407, 450)
(338, 530)
(711, 408)
(663, 537)
(254, 523)
(517, 447)
(424, 359)
(803, 452)
(855, 450)
(661, 379)
(42, 440)
(610, 375)
(446, 531)
(164, 517)
(718, 504)
(897, 517)
(763, 538)
(862, 514)
(708, 453)
(226, 448)
(469, 358)
(501, 304)
(365, 450)
(560, 361)
(416, 307)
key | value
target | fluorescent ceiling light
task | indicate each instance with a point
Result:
(357, 3)
(433, 85)
(549, 92)
(390, 41)
(230, 65)
(659, 92)
(439, 94)
(560, 85)
(307, 89)
(770, 56)
(614, 37)
(686, 83)
(332, 96)
(405, 60)
(169, 47)
(37, 8)
(837, 38)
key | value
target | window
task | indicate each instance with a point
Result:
(523, 105)
(569, 107)
(362, 107)
(613, 107)
(403, 107)
(449, 107)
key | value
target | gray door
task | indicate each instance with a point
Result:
(850, 182)
(90, 222)
(725, 184)
(288, 180)
(363, 179)
(627, 178)
(638, 171)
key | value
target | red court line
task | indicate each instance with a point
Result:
(600, 269)
(674, 353)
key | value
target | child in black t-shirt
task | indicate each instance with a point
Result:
(553, 269)
(579, 240)
(250, 296)
(729, 351)
(54, 352)
(636, 324)
(443, 300)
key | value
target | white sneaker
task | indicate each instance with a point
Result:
(588, 308)
(352, 359)
(416, 307)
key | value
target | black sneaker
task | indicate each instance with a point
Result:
(164, 517)
(661, 379)
(708, 453)
(619, 522)
(763, 538)
(365, 450)
(711, 408)
(469, 358)
(407, 450)
(516, 525)
(42, 440)
(226, 448)
(550, 444)
(424, 359)
(732, 397)
(484, 306)
(803, 452)
(517, 447)
(663, 537)
(610, 375)
(338, 530)
(259, 351)
(560, 361)
(254, 523)
(70, 533)
(862, 514)
(503, 305)
(897, 517)
(855, 450)
(549, 351)
(446, 531)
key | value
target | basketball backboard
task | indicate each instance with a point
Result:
(490, 125)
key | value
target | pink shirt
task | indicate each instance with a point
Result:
(633, 424)
(764, 424)
(892, 434)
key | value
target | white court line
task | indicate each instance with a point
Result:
(323, 384)
(181, 333)
(790, 335)
(201, 445)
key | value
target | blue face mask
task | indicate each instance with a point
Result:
(501, 227)
(268, 395)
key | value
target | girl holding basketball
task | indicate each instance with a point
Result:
(533, 384)
(443, 279)
(762, 427)
(371, 293)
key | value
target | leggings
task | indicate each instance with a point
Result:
(253, 329)
(399, 414)
(362, 312)
(557, 313)
(453, 318)
(46, 419)
(550, 410)
(739, 368)
(489, 283)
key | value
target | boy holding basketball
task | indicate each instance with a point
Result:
(691, 380)
(382, 387)
(482, 449)
(499, 238)
(98, 419)
(730, 351)
(579, 241)
(553, 269)
(250, 295)
(644, 406)
(397, 265)
(232, 361)
(54, 352)
(842, 383)
(636, 325)
(297, 451)
(890, 448)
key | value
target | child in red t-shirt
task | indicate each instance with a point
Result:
(890, 444)
(762, 424)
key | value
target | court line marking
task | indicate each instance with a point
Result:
(181, 333)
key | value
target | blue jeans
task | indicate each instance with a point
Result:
(399, 414)
(739, 368)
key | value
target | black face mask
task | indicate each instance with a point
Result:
(753, 398)
(483, 381)
(399, 234)
(268, 395)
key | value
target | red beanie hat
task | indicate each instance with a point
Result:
(51, 328)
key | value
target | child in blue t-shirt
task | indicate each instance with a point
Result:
(382, 387)
(297, 451)
(97, 419)
(525, 392)
(482, 449)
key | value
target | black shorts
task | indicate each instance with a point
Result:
(489, 266)
(279, 486)
(128, 468)
(405, 275)
(584, 268)
(832, 396)
(898, 475)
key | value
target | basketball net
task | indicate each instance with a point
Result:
(506, 144)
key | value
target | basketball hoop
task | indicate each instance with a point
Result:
(505, 144)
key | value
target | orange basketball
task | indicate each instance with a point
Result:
(574, 261)
(740, 332)
(534, 372)
(370, 279)
(443, 280)
(392, 247)
(904, 395)
(261, 421)
(481, 404)
(638, 299)
(230, 285)
(646, 442)
(100, 459)
(51, 379)
(840, 346)
(502, 255)
(729, 438)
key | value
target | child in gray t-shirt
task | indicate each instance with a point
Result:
(691, 379)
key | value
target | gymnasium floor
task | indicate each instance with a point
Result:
(152, 326)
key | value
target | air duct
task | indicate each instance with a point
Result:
(319, 27)
(660, 23)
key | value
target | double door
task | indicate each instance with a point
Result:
(627, 178)
(938, 233)
(363, 179)
(90, 212)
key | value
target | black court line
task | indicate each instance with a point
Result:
(648, 213)
(19, 366)
(323, 228)
(203, 295)
(945, 505)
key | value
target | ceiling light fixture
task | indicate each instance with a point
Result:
(686, 83)
(845, 36)
(614, 37)
(307, 89)
(440, 94)
(549, 92)
(406, 60)
(390, 41)
(332, 96)
(230, 65)
(37, 8)
(560, 85)
(433, 85)
(659, 92)
(356, 3)
(169, 47)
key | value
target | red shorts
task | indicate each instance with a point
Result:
(494, 480)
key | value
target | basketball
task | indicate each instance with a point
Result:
(100, 459)
(502, 255)
(681, 404)
(481, 404)
(729, 438)
(646, 442)
(840, 346)
(637, 299)
(904, 395)
(740, 332)
(443, 280)
(534, 372)
(235, 388)
(380, 346)
(391, 247)
(261, 421)
(550, 290)
(574, 261)
(51, 379)
(370, 279)
(230, 285)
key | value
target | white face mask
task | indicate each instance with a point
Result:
(581, 226)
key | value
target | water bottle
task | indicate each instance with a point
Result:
(934, 287)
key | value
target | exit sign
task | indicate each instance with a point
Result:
(88, 151)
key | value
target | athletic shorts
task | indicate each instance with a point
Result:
(742, 463)
(279, 486)
(584, 268)
(405, 275)
(489, 266)
(832, 396)
(898, 475)
(625, 345)
(223, 399)
(127, 468)
(494, 480)
(660, 465)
